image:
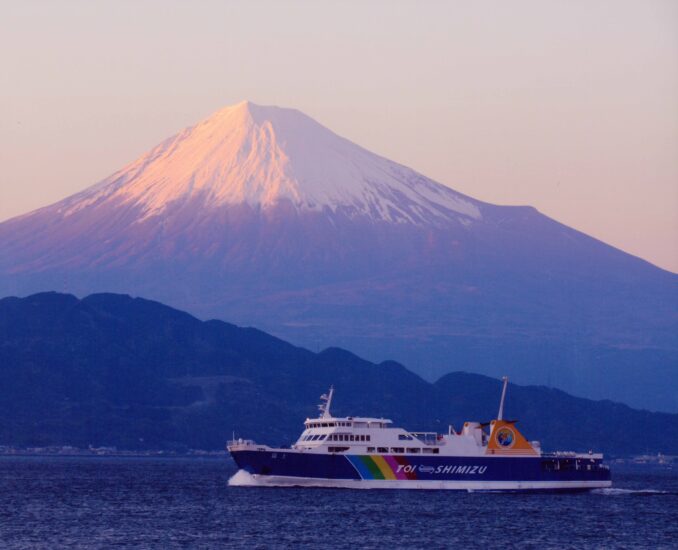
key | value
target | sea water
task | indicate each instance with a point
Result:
(186, 503)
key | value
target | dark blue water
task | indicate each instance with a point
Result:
(153, 503)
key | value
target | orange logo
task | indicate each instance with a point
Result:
(506, 438)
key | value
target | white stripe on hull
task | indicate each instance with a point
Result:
(244, 479)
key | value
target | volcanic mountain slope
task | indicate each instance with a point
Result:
(263, 216)
(220, 192)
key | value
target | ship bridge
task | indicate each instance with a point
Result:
(346, 422)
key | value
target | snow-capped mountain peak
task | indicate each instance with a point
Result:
(261, 156)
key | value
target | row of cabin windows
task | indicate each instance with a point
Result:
(384, 450)
(317, 437)
(347, 437)
(329, 425)
(336, 437)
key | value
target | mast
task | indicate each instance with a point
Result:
(500, 415)
(325, 407)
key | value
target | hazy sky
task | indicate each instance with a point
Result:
(570, 106)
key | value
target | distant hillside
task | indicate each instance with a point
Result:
(113, 370)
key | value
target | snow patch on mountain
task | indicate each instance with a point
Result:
(261, 156)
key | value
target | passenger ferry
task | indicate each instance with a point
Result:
(371, 453)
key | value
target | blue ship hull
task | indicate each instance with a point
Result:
(547, 472)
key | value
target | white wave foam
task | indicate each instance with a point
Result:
(617, 491)
(242, 479)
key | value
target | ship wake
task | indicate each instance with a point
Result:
(614, 491)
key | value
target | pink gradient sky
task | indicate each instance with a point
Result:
(569, 106)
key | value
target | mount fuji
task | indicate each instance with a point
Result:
(262, 216)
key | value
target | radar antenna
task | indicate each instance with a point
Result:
(327, 402)
(500, 415)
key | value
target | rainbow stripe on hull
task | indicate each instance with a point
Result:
(383, 467)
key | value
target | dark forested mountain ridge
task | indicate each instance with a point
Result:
(114, 370)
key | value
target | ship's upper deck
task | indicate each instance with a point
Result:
(365, 434)
(347, 422)
(359, 434)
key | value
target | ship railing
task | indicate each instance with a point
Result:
(240, 442)
(572, 454)
(560, 454)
